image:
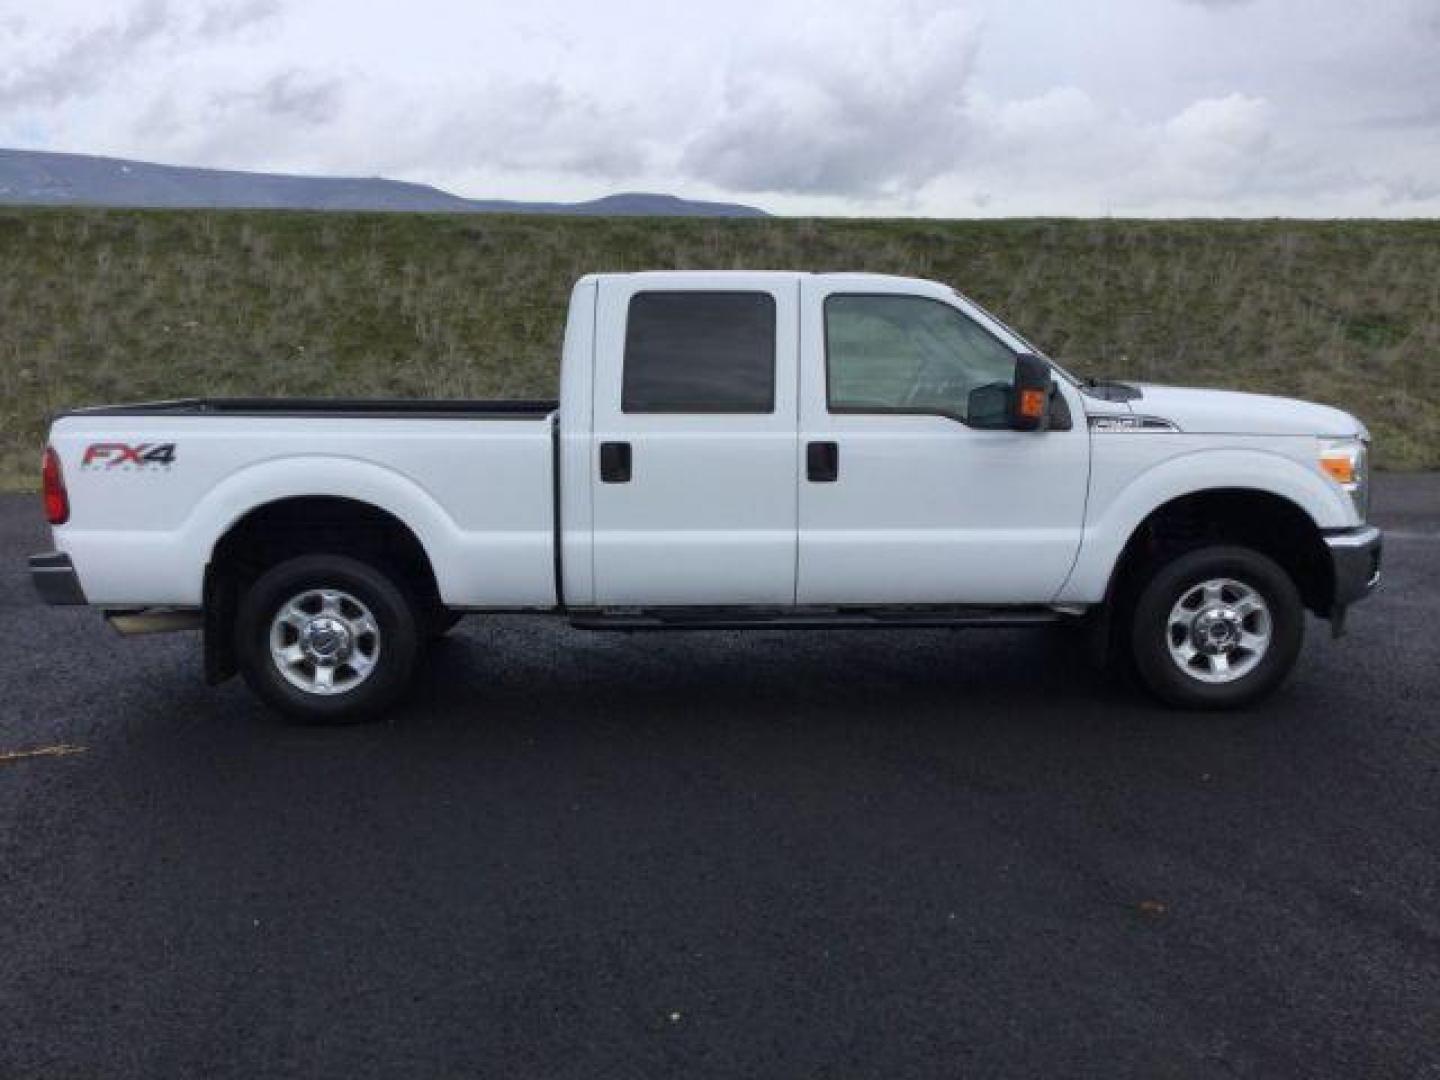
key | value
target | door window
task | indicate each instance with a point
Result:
(911, 354)
(699, 352)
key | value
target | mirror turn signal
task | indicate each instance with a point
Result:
(1030, 403)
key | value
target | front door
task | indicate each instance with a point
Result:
(910, 494)
(693, 457)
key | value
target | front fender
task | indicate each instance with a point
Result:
(1121, 499)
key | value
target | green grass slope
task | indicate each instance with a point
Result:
(106, 306)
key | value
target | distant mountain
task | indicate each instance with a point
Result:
(36, 178)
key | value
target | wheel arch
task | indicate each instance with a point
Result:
(251, 490)
(297, 505)
(1272, 524)
(1116, 516)
(302, 524)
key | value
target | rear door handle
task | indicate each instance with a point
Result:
(615, 462)
(822, 462)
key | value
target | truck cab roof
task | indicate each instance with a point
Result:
(709, 279)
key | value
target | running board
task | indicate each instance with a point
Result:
(812, 619)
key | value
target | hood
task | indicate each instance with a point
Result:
(1228, 412)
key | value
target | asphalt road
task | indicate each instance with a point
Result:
(836, 854)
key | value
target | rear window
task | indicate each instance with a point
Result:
(700, 352)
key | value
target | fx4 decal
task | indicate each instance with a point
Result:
(109, 455)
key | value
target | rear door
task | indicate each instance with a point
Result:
(694, 463)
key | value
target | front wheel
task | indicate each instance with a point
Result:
(326, 638)
(1216, 628)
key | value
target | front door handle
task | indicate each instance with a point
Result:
(615, 462)
(822, 462)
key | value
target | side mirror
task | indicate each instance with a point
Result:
(1030, 394)
(989, 407)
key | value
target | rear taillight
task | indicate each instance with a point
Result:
(52, 484)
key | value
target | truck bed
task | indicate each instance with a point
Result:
(377, 408)
(155, 485)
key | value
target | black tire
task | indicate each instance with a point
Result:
(1150, 630)
(395, 643)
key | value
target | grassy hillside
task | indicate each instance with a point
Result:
(100, 306)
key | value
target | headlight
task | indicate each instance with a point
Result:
(1347, 462)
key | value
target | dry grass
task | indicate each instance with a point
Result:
(100, 306)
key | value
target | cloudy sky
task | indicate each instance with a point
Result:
(1313, 108)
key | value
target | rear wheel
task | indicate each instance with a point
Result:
(1216, 628)
(326, 638)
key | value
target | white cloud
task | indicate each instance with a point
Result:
(77, 63)
(870, 105)
(233, 16)
(1216, 146)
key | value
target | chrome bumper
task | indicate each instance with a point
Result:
(54, 578)
(1355, 565)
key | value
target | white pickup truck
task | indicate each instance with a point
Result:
(729, 450)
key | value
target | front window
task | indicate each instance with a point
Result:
(912, 354)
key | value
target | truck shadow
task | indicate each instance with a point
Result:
(515, 676)
(533, 673)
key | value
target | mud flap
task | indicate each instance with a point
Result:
(219, 630)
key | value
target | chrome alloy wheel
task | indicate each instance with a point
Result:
(324, 641)
(1219, 630)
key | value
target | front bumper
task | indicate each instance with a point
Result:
(1355, 564)
(54, 578)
